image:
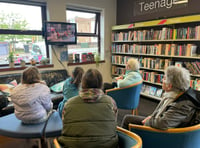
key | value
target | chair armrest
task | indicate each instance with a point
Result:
(128, 138)
(172, 130)
(121, 88)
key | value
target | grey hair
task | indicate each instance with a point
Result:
(179, 78)
(134, 64)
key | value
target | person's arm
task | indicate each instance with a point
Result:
(129, 79)
(177, 114)
(45, 98)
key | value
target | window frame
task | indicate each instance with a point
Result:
(97, 28)
(42, 5)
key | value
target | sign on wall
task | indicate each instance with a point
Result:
(142, 7)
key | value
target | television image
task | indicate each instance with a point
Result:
(60, 33)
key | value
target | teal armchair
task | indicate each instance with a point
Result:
(188, 137)
(126, 97)
(127, 139)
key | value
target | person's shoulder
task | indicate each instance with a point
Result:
(74, 99)
(107, 98)
(68, 81)
(41, 86)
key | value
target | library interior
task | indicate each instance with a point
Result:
(90, 73)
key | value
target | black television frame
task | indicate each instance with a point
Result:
(61, 42)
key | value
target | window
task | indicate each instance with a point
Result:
(21, 32)
(88, 35)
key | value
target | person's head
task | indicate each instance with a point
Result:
(176, 79)
(31, 75)
(133, 64)
(92, 79)
(77, 75)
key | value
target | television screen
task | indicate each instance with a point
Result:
(60, 33)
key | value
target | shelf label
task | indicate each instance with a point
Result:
(162, 22)
(131, 26)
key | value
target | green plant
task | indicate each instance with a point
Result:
(11, 57)
(44, 61)
(21, 60)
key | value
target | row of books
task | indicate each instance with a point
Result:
(120, 59)
(159, 34)
(151, 90)
(84, 57)
(158, 49)
(195, 84)
(160, 64)
(155, 63)
(193, 67)
(118, 70)
(152, 77)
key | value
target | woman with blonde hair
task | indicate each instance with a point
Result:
(131, 76)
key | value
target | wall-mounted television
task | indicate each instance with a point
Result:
(60, 33)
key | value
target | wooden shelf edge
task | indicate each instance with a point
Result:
(149, 96)
(175, 20)
(84, 63)
(4, 69)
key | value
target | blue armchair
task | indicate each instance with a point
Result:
(187, 137)
(126, 97)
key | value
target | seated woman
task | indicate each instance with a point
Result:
(177, 107)
(71, 87)
(89, 120)
(131, 76)
(31, 98)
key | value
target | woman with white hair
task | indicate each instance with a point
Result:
(131, 76)
(177, 107)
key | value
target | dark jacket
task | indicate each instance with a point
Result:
(89, 124)
(178, 113)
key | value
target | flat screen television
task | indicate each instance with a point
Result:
(60, 33)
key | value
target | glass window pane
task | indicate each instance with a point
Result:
(24, 47)
(84, 46)
(20, 17)
(85, 21)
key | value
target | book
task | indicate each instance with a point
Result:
(178, 64)
(143, 88)
(84, 57)
(152, 90)
(70, 58)
(159, 93)
(90, 57)
(147, 89)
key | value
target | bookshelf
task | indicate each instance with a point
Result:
(158, 44)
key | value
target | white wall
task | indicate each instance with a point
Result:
(56, 12)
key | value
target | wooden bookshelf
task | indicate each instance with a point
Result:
(158, 44)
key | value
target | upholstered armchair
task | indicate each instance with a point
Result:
(187, 137)
(126, 97)
(127, 139)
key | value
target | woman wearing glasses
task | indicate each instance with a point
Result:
(177, 107)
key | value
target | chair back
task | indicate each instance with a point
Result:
(128, 139)
(187, 137)
(126, 97)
